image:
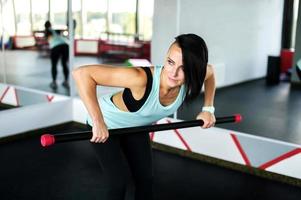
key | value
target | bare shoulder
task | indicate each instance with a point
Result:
(115, 76)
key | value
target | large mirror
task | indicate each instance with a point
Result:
(27, 54)
(104, 31)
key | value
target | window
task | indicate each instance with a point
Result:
(94, 18)
(146, 9)
(40, 9)
(23, 24)
(76, 9)
(122, 16)
(58, 13)
(8, 18)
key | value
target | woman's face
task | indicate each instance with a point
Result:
(173, 67)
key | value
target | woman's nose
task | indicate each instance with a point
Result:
(174, 71)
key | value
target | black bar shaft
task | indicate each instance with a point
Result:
(66, 137)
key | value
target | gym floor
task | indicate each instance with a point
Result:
(268, 111)
(70, 171)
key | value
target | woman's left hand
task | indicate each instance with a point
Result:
(208, 118)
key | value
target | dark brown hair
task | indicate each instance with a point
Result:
(195, 59)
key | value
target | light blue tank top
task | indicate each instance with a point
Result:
(56, 39)
(150, 112)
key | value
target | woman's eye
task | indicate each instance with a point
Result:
(169, 62)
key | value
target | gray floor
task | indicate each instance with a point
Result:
(29, 69)
(269, 111)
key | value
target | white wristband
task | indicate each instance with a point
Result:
(210, 109)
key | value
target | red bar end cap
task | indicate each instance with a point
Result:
(238, 118)
(47, 140)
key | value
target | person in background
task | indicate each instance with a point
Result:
(59, 49)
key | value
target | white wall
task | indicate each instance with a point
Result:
(165, 28)
(240, 34)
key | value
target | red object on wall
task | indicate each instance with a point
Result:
(126, 50)
(146, 50)
(286, 62)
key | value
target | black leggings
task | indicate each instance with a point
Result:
(60, 51)
(122, 157)
(298, 72)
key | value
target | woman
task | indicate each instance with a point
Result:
(58, 49)
(149, 95)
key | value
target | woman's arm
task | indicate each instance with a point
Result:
(207, 115)
(89, 76)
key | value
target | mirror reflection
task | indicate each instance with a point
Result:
(106, 31)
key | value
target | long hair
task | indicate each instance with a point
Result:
(47, 26)
(195, 59)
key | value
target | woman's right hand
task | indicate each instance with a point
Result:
(100, 133)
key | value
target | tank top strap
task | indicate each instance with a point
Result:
(156, 76)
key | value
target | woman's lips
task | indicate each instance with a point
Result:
(172, 79)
